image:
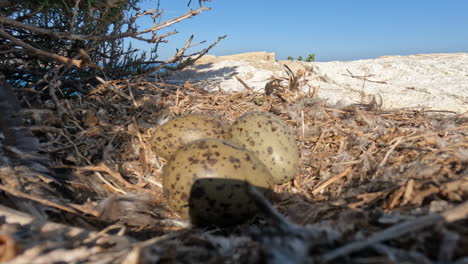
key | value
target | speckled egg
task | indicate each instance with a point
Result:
(205, 181)
(271, 140)
(169, 137)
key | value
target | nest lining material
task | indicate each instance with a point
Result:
(374, 185)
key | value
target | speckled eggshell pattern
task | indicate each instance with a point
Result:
(169, 137)
(271, 140)
(205, 181)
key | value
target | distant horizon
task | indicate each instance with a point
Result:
(370, 58)
(332, 30)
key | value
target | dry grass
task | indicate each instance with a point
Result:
(363, 171)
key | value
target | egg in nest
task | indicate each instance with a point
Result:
(205, 180)
(177, 132)
(271, 140)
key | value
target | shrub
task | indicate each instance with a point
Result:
(70, 42)
(310, 58)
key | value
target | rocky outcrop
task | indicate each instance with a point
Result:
(249, 56)
(429, 81)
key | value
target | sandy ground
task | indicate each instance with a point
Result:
(428, 81)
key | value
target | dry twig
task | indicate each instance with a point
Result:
(451, 215)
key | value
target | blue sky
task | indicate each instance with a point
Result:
(333, 29)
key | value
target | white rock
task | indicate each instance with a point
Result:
(429, 81)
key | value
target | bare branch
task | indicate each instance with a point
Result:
(71, 36)
(45, 54)
(203, 52)
(39, 52)
(158, 38)
(175, 20)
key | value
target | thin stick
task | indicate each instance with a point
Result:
(364, 77)
(105, 181)
(268, 210)
(130, 33)
(243, 83)
(113, 88)
(102, 167)
(457, 213)
(41, 53)
(38, 199)
(302, 124)
(392, 148)
(324, 184)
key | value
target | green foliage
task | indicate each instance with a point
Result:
(68, 5)
(310, 58)
(185, 63)
(94, 19)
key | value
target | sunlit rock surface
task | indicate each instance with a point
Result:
(424, 81)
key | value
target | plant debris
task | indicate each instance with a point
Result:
(374, 186)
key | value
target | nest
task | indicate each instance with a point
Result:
(374, 186)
